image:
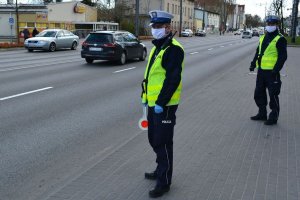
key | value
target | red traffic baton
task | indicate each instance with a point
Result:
(143, 122)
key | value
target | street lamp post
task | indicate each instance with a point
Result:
(294, 20)
(203, 24)
(263, 4)
(17, 22)
(137, 13)
(180, 20)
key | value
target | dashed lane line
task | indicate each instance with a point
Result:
(25, 93)
(124, 70)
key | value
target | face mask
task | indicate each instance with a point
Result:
(158, 33)
(271, 29)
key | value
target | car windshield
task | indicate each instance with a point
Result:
(47, 34)
(99, 38)
(246, 33)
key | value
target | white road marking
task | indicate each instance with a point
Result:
(221, 46)
(25, 93)
(124, 70)
(210, 49)
(194, 53)
(230, 44)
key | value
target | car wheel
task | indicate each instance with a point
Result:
(52, 47)
(144, 55)
(89, 60)
(122, 60)
(74, 46)
(30, 50)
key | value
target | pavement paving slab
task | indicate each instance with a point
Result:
(219, 153)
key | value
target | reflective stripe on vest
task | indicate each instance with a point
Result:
(156, 79)
(270, 56)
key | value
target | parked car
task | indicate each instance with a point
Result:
(187, 33)
(112, 45)
(201, 33)
(261, 32)
(255, 33)
(247, 34)
(237, 32)
(51, 40)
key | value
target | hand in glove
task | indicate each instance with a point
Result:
(158, 109)
(251, 68)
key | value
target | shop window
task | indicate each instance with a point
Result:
(22, 24)
(57, 25)
(30, 24)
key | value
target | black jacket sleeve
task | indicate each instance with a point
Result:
(172, 62)
(282, 54)
(253, 63)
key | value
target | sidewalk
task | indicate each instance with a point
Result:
(219, 153)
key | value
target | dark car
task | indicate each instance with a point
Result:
(200, 33)
(255, 33)
(112, 45)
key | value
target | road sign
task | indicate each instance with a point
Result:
(11, 21)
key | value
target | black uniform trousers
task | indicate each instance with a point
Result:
(266, 79)
(160, 135)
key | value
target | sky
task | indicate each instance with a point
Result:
(254, 7)
(257, 7)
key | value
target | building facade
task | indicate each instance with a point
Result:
(236, 17)
(213, 22)
(171, 6)
(30, 16)
(74, 16)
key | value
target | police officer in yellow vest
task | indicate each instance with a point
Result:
(270, 57)
(161, 91)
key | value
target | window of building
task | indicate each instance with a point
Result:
(30, 24)
(175, 9)
(172, 8)
(184, 11)
(168, 7)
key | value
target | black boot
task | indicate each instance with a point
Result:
(151, 175)
(259, 117)
(270, 122)
(158, 191)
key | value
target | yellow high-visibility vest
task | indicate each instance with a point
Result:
(270, 56)
(156, 79)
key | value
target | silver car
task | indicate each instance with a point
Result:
(51, 40)
(247, 34)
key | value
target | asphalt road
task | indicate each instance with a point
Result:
(60, 114)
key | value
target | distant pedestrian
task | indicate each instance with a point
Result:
(161, 91)
(35, 32)
(26, 33)
(270, 57)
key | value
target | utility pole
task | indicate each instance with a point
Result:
(203, 24)
(137, 13)
(294, 20)
(17, 22)
(180, 20)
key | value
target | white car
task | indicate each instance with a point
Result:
(247, 34)
(51, 40)
(187, 33)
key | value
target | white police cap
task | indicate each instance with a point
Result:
(159, 16)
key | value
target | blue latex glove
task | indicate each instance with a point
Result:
(158, 109)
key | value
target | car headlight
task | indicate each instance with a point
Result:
(26, 42)
(42, 42)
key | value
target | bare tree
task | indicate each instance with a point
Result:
(253, 21)
(277, 6)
